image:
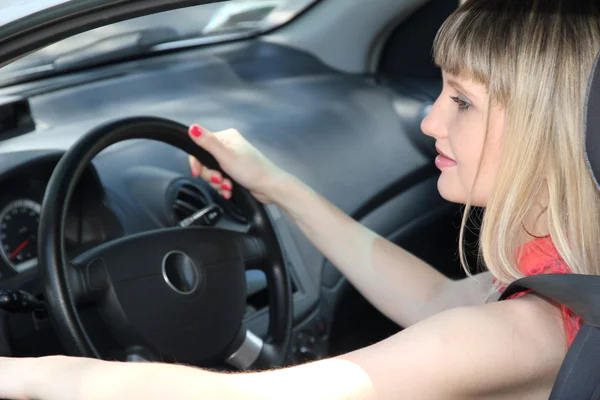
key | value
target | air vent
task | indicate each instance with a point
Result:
(15, 117)
(188, 200)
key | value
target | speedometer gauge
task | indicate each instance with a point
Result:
(19, 223)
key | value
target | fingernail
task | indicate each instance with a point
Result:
(195, 173)
(195, 131)
(227, 195)
(225, 187)
(215, 179)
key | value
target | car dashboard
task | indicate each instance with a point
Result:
(314, 122)
(119, 194)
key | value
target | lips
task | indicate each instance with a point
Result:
(443, 160)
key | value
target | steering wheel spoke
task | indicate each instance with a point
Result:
(248, 352)
(88, 280)
(139, 353)
(255, 354)
(252, 249)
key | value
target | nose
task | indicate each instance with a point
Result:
(433, 124)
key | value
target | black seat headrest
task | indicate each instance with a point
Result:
(592, 122)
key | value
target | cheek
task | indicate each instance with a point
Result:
(468, 148)
(477, 175)
(489, 169)
(457, 184)
(468, 155)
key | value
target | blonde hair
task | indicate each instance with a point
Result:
(535, 57)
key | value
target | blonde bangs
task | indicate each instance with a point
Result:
(457, 53)
(479, 42)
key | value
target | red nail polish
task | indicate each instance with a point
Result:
(195, 131)
(225, 187)
(215, 179)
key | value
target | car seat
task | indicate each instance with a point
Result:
(579, 375)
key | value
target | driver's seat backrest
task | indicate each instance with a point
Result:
(579, 376)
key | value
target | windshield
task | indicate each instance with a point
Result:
(11, 10)
(209, 23)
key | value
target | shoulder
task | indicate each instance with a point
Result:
(494, 348)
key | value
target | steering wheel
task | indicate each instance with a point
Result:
(175, 294)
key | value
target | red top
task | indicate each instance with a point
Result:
(540, 256)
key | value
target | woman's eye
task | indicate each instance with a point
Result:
(462, 105)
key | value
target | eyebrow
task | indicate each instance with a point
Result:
(460, 87)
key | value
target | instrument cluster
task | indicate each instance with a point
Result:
(88, 221)
(19, 222)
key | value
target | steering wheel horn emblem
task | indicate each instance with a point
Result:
(181, 273)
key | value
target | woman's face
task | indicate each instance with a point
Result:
(458, 122)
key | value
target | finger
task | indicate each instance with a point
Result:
(195, 166)
(229, 137)
(226, 188)
(211, 176)
(208, 141)
(226, 185)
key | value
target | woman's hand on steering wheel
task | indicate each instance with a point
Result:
(239, 160)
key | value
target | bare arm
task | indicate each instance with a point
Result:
(399, 284)
(507, 350)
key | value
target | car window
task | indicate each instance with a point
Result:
(214, 21)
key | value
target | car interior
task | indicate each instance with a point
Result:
(335, 96)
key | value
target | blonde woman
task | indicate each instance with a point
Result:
(509, 128)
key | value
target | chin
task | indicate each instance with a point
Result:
(452, 190)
